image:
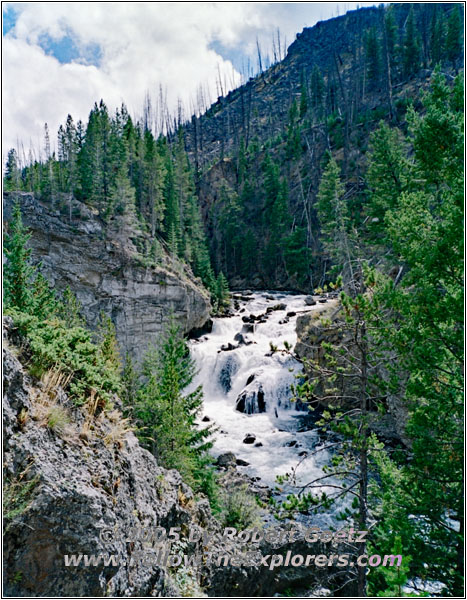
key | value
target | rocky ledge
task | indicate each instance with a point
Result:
(74, 477)
(103, 266)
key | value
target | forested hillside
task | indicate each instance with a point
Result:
(260, 152)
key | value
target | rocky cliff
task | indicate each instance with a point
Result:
(78, 482)
(106, 268)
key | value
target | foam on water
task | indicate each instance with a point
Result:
(224, 375)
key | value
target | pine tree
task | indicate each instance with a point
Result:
(44, 303)
(453, 36)
(388, 175)
(411, 50)
(222, 292)
(424, 229)
(108, 345)
(436, 38)
(70, 309)
(317, 89)
(165, 411)
(129, 383)
(334, 219)
(373, 58)
(18, 274)
(12, 173)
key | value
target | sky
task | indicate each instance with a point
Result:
(61, 57)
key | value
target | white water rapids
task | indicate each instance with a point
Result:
(280, 442)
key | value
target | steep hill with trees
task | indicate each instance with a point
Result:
(259, 153)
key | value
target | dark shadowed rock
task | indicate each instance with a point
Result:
(227, 459)
(249, 438)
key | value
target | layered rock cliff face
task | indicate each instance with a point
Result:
(103, 266)
(78, 482)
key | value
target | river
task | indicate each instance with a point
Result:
(247, 389)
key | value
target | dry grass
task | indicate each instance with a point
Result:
(46, 407)
(119, 428)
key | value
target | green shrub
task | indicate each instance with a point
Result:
(240, 509)
(51, 344)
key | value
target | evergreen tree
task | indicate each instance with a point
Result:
(411, 50)
(108, 346)
(391, 33)
(12, 177)
(18, 274)
(44, 303)
(334, 219)
(70, 310)
(436, 38)
(453, 36)
(373, 58)
(425, 330)
(317, 90)
(166, 412)
(129, 383)
(388, 175)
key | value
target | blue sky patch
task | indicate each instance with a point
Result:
(66, 50)
(9, 19)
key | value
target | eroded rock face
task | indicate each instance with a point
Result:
(63, 490)
(102, 266)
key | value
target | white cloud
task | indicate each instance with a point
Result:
(142, 45)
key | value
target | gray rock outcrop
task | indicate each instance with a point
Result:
(103, 267)
(69, 493)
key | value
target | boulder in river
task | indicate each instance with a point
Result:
(226, 460)
(228, 347)
(251, 401)
(310, 301)
(249, 438)
(280, 306)
(242, 463)
(242, 340)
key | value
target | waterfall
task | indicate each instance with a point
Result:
(247, 387)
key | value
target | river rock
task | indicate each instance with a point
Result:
(242, 463)
(280, 306)
(249, 438)
(242, 340)
(250, 378)
(227, 459)
(248, 328)
(251, 400)
(228, 347)
(310, 301)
